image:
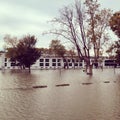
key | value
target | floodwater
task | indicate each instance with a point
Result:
(95, 97)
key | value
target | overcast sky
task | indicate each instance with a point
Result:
(21, 17)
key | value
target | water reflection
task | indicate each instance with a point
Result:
(96, 101)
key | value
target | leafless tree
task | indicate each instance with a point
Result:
(84, 25)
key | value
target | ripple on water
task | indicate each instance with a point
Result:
(86, 98)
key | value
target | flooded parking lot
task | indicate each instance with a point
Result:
(67, 95)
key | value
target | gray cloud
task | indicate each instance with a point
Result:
(19, 17)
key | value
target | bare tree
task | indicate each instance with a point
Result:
(83, 25)
(10, 41)
(98, 22)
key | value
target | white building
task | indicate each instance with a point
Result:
(52, 62)
(44, 62)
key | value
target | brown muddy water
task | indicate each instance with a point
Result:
(83, 97)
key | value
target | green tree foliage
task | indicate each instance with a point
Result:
(25, 52)
(57, 48)
(115, 26)
(114, 51)
(45, 51)
(115, 23)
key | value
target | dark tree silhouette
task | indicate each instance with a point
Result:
(25, 52)
(115, 23)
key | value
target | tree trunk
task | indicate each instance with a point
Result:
(29, 69)
(89, 69)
